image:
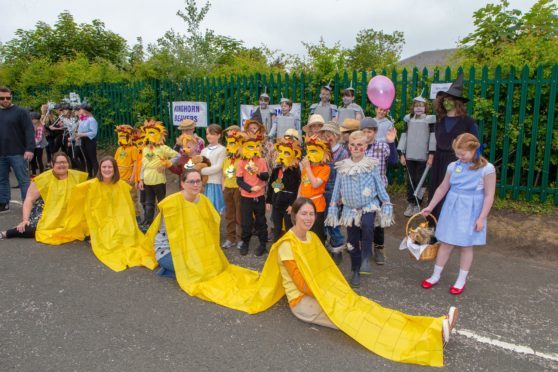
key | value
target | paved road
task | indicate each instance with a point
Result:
(61, 309)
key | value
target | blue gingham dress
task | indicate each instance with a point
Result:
(463, 206)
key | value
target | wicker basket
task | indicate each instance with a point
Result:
(431, 251)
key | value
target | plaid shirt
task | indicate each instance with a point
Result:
(379, 151)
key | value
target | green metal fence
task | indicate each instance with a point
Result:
(515, 109)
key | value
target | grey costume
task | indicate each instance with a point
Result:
(264, 116)
(328, 112)
(419, 138)
(349, 112)
(282, 123)
(384, 125)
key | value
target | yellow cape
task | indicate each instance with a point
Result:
(202, 270)
(55, 194)
(388, 333)
(107, 212)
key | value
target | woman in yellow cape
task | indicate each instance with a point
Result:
(54, 188)
(102, 208)
(191, 225)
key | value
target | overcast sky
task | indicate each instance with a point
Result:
(427, 24)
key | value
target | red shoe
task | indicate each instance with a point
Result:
(456, 291)
(427, 285)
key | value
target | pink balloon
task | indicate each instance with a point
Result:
(381, 91)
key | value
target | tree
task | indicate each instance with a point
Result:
(322, 60)
(375, 49)
(507, 37)
(65, 40)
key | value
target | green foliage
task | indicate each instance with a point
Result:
(322, 60)
(65, 40)
(375, 49)
(504, 36)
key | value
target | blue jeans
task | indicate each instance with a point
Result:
(336, 238)
(21, 171)
(166, 268)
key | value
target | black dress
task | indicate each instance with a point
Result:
(444, 153)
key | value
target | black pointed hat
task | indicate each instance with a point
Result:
(455, 90)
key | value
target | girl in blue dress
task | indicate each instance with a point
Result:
(470, 184)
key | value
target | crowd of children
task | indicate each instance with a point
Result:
(340, 165)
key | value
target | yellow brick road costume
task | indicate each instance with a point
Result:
(55, 193)
(203, 271)
(106, 213)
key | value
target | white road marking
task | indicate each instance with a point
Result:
(506, 345)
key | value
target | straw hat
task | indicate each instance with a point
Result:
(291, 132)
(187, 124)
(331, 127)
(314, 119)
(350, 125)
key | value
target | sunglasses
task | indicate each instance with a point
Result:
(5, 98)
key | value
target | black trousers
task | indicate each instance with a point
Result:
(37, 161)
(252, 214)
(29, 232)
(89, 147)
(278, 217)
(153, 192)
(378, 237)
(319, 226)
(416, 169)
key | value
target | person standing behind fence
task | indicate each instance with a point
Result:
(17, 145)
(87, 132)
(452, 120)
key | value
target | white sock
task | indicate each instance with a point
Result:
(436, 275)
(461, 279)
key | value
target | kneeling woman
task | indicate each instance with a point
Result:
(318, 293)
(45, 204)
(103, 209)
(191, 184)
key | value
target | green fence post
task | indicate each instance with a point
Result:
(519, 147)
(507, 120)
(534, 134)
(495, 106)
(548, 139)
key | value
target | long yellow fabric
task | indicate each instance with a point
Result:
(108, 212)
(55, 194)
(388, 333)
(202, 270)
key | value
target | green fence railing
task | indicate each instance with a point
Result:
(515, 109)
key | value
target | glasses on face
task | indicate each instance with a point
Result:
(193, 182)
(5, 98)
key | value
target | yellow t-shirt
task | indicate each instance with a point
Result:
(126, 157)
(152, 160)
(229, 173)
(285, 253)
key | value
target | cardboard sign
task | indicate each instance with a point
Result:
(438, 87)
(196, 111)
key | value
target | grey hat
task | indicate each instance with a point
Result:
(419, 99)
(368, 122)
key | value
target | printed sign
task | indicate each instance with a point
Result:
(246, 111)
(438, 87)
(196, 111)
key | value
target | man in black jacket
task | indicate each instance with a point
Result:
(17, 143)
